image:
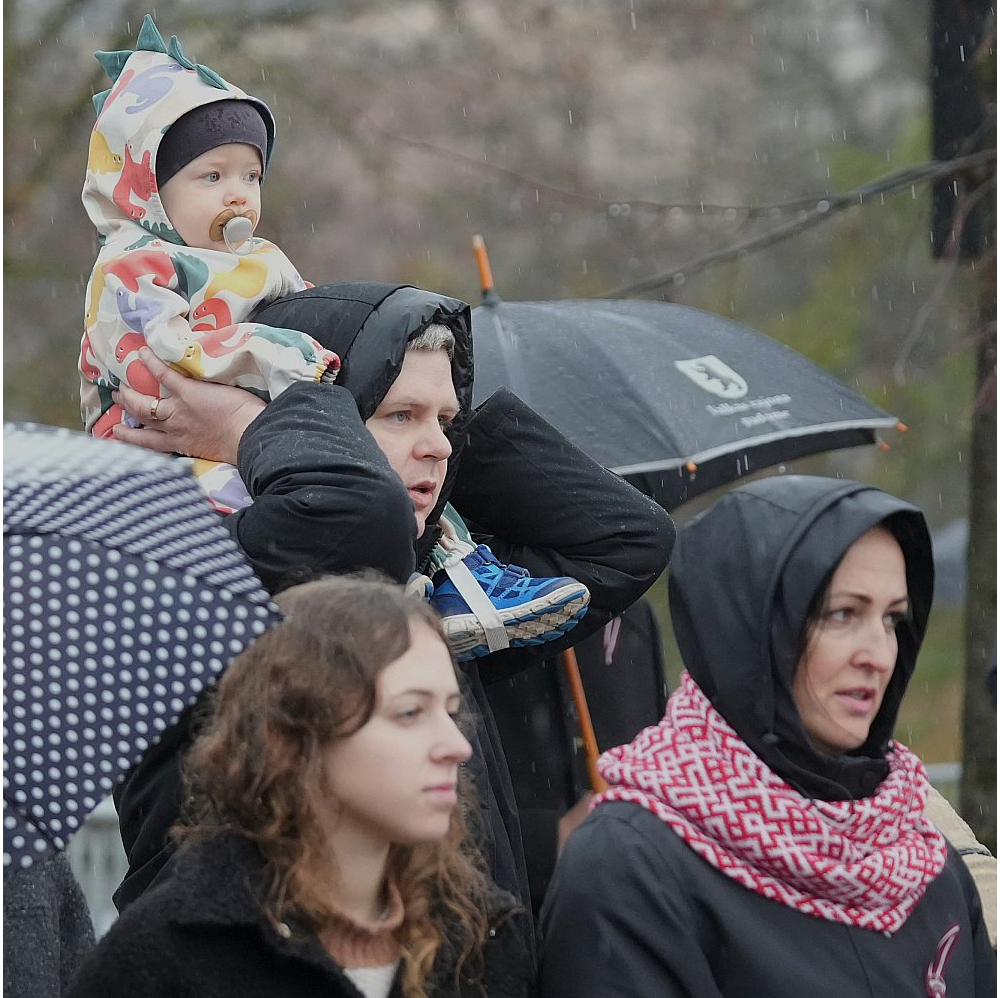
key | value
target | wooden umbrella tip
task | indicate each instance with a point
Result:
(483, 263)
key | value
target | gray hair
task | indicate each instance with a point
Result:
(435, 337)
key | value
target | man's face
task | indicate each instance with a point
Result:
(226, 177)
(409, 427)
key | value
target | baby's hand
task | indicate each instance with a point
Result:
(193, 418)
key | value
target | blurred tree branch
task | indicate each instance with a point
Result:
(824, 209)
(951, 255)
(568, 197)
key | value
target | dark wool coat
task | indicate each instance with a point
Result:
(633, 911)
(47, 929)
(326, 500)
(624, 680)
(201, 934)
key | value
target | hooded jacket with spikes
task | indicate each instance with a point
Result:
(148, 286)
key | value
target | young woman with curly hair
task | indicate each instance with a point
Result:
(325, 851)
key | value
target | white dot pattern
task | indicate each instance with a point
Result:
(124, 597)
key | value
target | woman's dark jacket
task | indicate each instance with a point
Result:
(632, 910)
(326, 501)
(201, 934)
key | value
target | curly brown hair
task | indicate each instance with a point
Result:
(257, 769)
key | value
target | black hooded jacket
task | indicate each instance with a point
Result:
(325, 498)
(741, 586)
(326, 501)
(629, 889)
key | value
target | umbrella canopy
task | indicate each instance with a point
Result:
(124, 597)
(676, 400)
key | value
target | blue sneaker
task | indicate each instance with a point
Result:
(486, 606)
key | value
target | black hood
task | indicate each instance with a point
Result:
(742, 580)
(368, 324)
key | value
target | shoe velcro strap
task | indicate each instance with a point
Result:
(479, 603)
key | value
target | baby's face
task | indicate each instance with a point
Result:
(224, 179)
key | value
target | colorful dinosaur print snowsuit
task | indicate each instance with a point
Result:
(148, 286)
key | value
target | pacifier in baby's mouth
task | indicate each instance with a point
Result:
(234, 229)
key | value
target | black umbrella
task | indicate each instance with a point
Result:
(124, 597)
(676, 400)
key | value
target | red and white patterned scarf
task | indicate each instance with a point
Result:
(865, 863)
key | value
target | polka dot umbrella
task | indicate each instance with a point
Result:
(124, 597)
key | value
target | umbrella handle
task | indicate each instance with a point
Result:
(591, 750)
(483, 263)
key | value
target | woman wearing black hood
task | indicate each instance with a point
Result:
(768, 837)
(327, 500)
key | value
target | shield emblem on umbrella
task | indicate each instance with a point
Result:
(124, 597)
(676, 400)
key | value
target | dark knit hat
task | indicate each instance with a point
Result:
(206, 127)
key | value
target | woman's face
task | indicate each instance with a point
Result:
(394, 780)
(850, 654)
(409, 427)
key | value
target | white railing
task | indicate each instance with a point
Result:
(946, 776)
(95, 852)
